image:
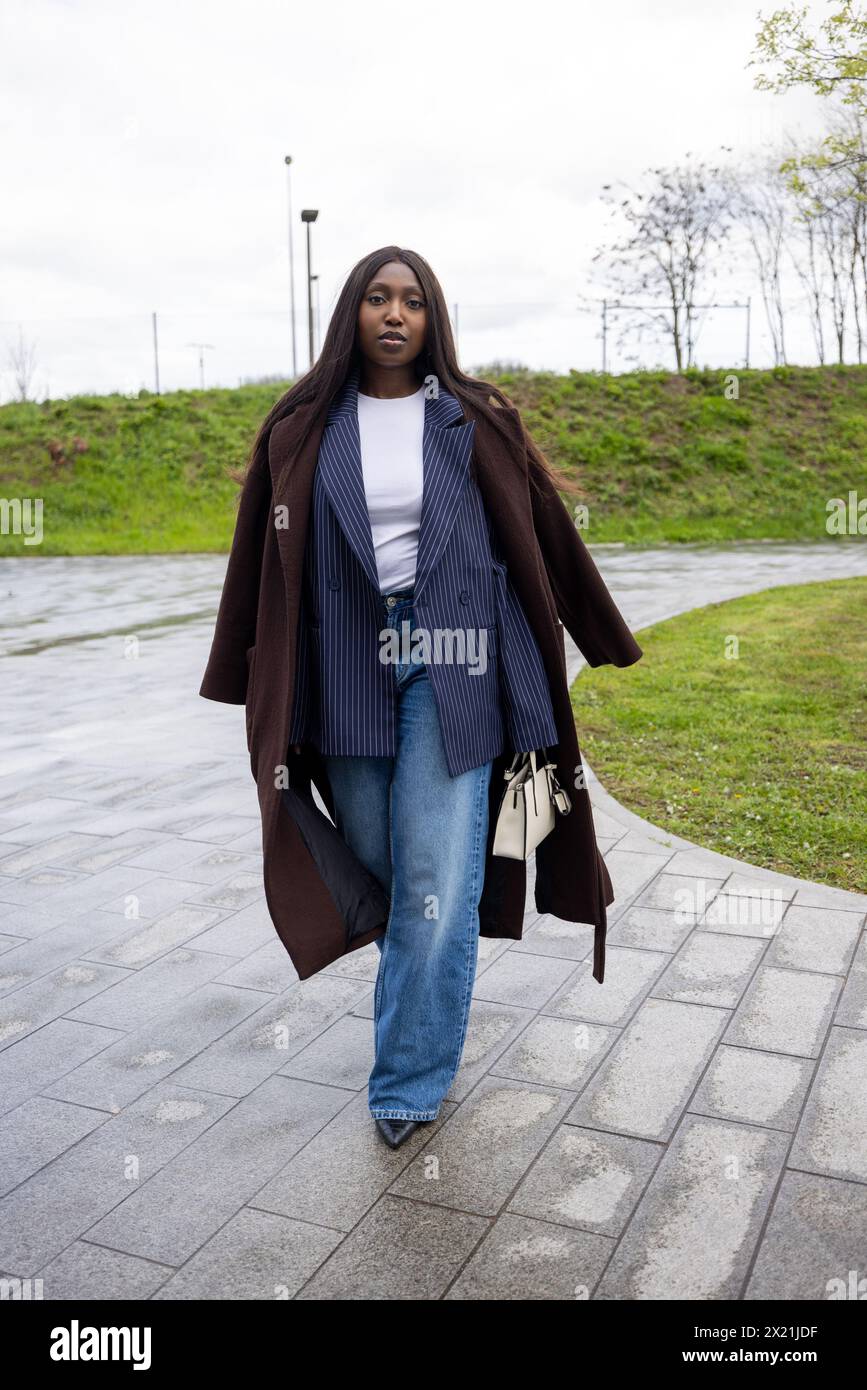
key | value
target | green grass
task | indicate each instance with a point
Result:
(761, 755)
(659, 457)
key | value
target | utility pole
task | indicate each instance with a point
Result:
(156, 353)
(202, 347)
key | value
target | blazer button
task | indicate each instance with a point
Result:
(464, 596)
(334, 583)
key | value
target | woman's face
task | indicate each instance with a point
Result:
(393, 304)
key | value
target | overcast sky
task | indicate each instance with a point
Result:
(142, 168)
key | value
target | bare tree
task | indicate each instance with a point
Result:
(22, 361)
(828, 244)
(673, 230)
(762, 203)
(809, 268)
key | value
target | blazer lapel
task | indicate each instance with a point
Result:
(446, 451)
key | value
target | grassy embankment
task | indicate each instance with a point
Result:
(660, 457)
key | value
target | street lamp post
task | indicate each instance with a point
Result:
(317, 336)
(287, 161)
(309, 215)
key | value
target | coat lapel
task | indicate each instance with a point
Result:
(446, 451)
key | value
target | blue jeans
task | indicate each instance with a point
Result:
(423, 834)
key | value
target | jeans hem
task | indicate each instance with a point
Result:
(404, 1114)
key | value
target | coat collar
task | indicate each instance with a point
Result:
(447, 442)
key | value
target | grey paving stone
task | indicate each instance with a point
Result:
(172, 854)
(36, 809)
(852, 1009)
(85, 1271)
(223, 830)
(401, 1250)
(630, 872)
(524, 1259)
(125, 1069)
(51, 995)
(144, 942)
(359, 965)
(63, 1200)
(814, 1243)
(651, 929)
(711, 969)
(137, 996)
(695, 1229)
(646, 1081)
(485, 1147)
(37, 1131)
(758, 1088)
(35, 919)
(629, 976)
(268, 969)
(686, 895)
(217, 866)
(344, 1169)
(159, 895)
(697, 863)
(42, 1057)
(490, 949)
(259, 1046)
(558, 1052)
(490, 1029)
(587, 1178)
(341, 1056)
(551, 936)
(751, 880)
(172, 1214)
(238, 933)
(604, 823)
(256, 1255)
(59, 847)
(83, 891)
(107, 850)
(831, 1135)
(521, 979)
(816, 938)
(737, 911)
(821, 895)
(233, 893)
(80, 938)
(39, 886)
(785, 1011)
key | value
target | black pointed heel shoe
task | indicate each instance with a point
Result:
(395, 1131)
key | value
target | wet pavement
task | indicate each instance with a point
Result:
(590, 1130)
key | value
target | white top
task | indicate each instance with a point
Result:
(391, 456)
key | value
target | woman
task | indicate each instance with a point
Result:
(386, 488)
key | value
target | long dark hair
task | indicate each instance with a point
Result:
(340, 353)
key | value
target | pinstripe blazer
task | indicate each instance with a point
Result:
(344, 698)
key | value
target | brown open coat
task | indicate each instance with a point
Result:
(252, 662)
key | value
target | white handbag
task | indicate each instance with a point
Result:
(528, 808)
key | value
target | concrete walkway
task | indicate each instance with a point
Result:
(181, 1118)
